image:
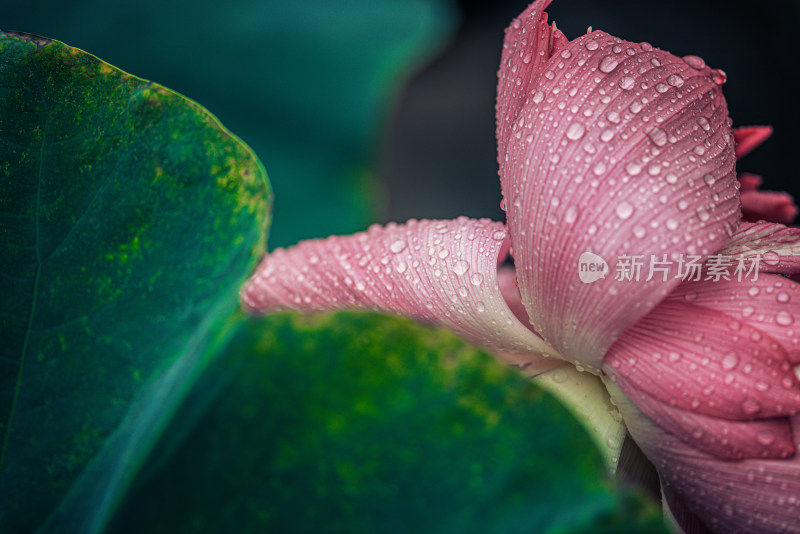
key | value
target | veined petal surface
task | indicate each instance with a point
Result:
(614, 148)
(439, 272)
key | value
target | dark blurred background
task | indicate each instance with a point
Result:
(378, 110)
(439, 156)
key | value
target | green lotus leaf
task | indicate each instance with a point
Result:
(358, 423)
(128, 217)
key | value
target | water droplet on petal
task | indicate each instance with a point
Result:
(633, 168)
(575, 131)
(626, 83)
(476, 279)
(703, 214)
(599, 169)
(784, 318)
(592, 45)
(480, 307)
(675, 80)
(499, 235)
(560, 376)
(658, 136)
(671, 178)
(709, 179)
(750, 406)
(608, 63)
(398, 246)
(730, 361)
(624, 210)
(694, 61)
(460, 267)
(538, 96)
(613, 117)
(765, 437)
(571, 214)
(782, 297)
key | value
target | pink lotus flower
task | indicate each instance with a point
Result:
(612, 149)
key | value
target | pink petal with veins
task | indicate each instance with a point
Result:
(723, 438)
(698, 359)
(609, 147)
(773, 206)
(749, 137)
(506, 280)
(529, 43)
(777, 246)
(749, 182)
(771, 304)
(440, 272)
(731, 497)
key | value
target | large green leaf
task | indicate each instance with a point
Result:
(128, 217)
(363, 423)
(306, 83)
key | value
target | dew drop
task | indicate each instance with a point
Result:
(662, 88)
(633, 168)
(401, 267)
(675, 80)
(607, 135)
(703, 214)
(571, 215)
(671, 178)
(538, 96)
(608, 63)
(626, 83)
(694, 61)
(613, 117)
(480, 306)
(765, 437)
(624, 210)
(709, 179)
(592, 45)
(560, 376)
(784, 318)
(750, 406)
(460, 267)
(658, 136)
(703, 123)
(476, 279)
(599, 169)
(782, 297)
(398, 246)
(575, 131)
